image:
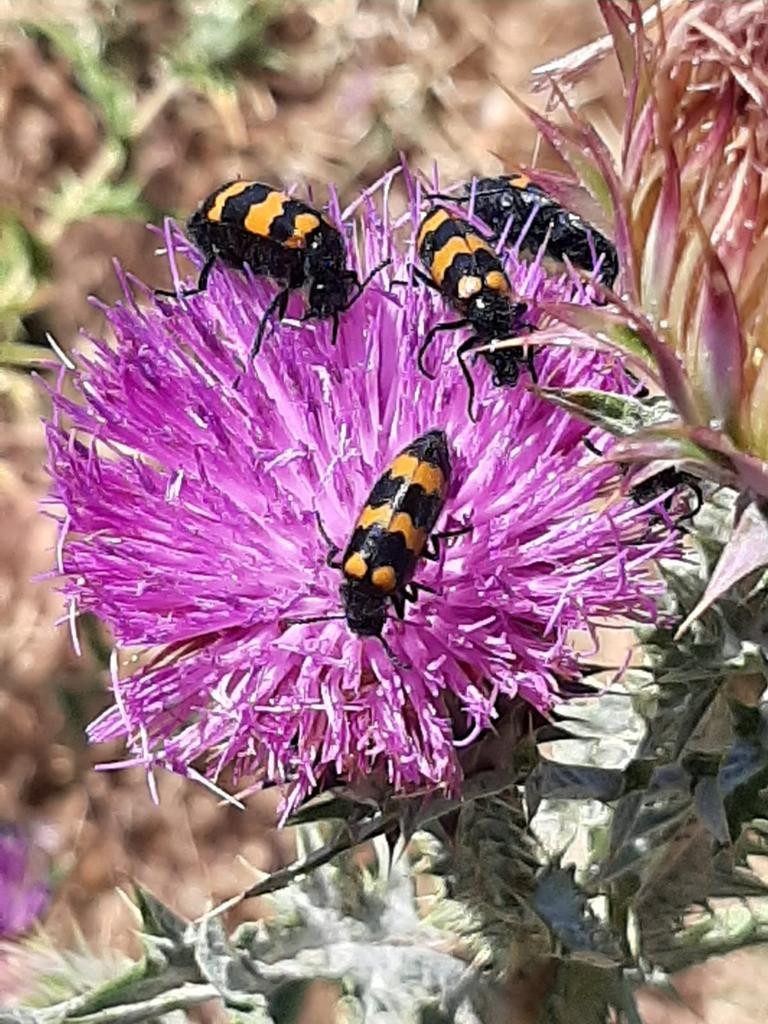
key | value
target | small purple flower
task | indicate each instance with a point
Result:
(23, 895)
(192, 488)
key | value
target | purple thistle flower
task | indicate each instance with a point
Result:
(23, 896)
(191, 486)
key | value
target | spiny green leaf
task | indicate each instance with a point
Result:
(397, 817)
(225, 967)
(745, 553)
(346, 838)
(646, 821)
(620, 415)
(330, 806)
(159, 920)
(552, 781)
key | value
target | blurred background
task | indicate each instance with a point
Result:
(112, 116)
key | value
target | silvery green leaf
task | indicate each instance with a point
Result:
(160, 1008)
(158, 919)
(601, 732)
(645, 820)
(551, 780)
(232, 974)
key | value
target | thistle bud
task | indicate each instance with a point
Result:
(691, 210)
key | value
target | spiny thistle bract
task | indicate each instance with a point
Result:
(687, 201)
(191, 483)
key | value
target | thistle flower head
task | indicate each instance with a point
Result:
(196, 491)
(23, 894)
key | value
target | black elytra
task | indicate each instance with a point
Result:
(507, 204)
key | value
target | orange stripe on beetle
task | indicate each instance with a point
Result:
(444, 257)
(520, 181)
(235, 189)
(355, 566)
(303, 225)
(384, 578)
(258, 220)
(475, 243)
(371, 516)
(497, 281)
(404, 466)
(430, 478)
(415, 538)
(431, 223)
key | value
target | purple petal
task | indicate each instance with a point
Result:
(191, 488)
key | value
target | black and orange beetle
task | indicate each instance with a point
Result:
(464, 268)
(250, 224)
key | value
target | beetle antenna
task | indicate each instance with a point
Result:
(310, 618)
(392, 656)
